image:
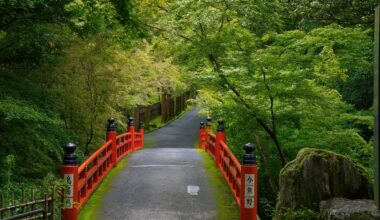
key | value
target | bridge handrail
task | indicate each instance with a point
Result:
(231, 155)
(241, 178)
(94, 156)
(138, 140)
(123, 145)
(228, 163)
(211, 140)
(82, 180)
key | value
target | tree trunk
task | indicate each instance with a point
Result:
(264, 151)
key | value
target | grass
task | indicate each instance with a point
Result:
(91, 209)
(227, 208)
(149, 142)
(155, 124)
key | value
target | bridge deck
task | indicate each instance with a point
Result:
(162, 182)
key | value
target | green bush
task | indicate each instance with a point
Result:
(300, 214)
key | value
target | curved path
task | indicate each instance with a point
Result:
(164, 181)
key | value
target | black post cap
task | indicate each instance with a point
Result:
(202, 125)
(141, 125)
(111, 125)
(208, 123)
(70, 158)
(220, 125)
(130, 121)
(249, 157)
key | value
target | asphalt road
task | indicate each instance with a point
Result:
(166, 181)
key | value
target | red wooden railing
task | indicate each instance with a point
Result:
(241, 178)
(83, 180)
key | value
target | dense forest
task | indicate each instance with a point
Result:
(284, 74)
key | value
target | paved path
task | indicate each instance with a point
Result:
(162, 182)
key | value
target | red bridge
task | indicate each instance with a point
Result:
(82, 180)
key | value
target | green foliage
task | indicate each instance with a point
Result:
(29, 128)
(67, 66)
(312, 14)
(266, 208)
(106, 81)
(301, 214)
(9, 166)
(283, 90)
(29, 31)
(91, 17)
(284, 74)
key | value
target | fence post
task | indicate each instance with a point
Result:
(202, 136)
(220, 136)
(164, 107)
(248, 192)
(111, 135)
(131, 129)
(69, 172)
(141, 130)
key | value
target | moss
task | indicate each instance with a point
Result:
(150, 142)
(300, 214)
(345, 178)
(91, 209)
(155, 124)
(227, 208)
(306, 153)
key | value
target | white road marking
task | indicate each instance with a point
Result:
(193, 190)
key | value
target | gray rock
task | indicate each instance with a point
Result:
(345, 209)
(317, 175)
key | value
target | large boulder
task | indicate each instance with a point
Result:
(317, 175)
(345, 209)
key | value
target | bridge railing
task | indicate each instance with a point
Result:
(83, 180)
(241, 178)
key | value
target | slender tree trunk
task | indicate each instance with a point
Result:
(264, 151)
(240, 99)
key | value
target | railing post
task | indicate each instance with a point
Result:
(202, 135)
(141, 130)
(220, 137)
(248, 192)
(111, 135)
(208, 123)
(69, 172)
(131, 129)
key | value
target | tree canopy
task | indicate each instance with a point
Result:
(283, 74)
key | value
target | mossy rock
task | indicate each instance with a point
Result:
(345, 209)
(317, 175)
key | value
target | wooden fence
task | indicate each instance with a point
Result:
(168, 108)
(29, 205)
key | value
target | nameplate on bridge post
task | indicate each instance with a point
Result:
(69, 192)
(249, 191)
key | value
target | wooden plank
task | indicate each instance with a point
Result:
(27, 214)
(376, 106)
